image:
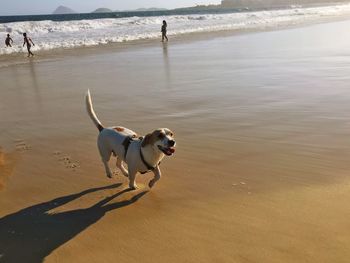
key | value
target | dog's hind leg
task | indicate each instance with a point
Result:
(108, 170)
(122, 168)
(105, 156)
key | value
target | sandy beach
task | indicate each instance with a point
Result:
(261, 168)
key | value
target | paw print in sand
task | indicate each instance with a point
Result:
(67, 161)
(21, 145)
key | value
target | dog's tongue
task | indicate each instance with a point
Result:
(172, 150)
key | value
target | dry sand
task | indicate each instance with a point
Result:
(260, 173)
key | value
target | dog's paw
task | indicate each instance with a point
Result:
(133, 187)
(109, 175)
(124, 171)
(151, 183)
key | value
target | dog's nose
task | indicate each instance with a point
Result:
(171, 143)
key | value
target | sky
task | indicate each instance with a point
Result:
(33, 7)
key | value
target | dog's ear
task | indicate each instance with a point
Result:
(151, 137)
(147, 140)
(169, 132)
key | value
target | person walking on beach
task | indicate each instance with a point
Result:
(8, 41)
(163, 30)
(28, 41)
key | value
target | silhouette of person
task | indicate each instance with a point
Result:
(8, 41)
(28, 41)
(163, 30)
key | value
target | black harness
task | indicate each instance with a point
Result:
(126, 144)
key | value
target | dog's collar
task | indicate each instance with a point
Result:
(149, 167)
(126, 145)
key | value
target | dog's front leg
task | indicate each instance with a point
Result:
(157, 175)
(132, 178)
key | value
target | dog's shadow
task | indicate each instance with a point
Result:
(31, 234)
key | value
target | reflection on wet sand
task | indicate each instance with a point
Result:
(167, 68)
(36, 85)
(261, 170)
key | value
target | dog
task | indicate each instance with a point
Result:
(141, 154)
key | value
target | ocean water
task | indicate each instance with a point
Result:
(71, 31)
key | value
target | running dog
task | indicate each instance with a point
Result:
(141, 154)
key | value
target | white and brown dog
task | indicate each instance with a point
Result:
(140, 154)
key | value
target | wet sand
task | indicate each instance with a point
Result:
(260, 173)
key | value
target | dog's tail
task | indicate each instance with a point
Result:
(91, 111)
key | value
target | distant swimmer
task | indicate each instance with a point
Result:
(28, 41)
(163, 30)
(8, 41)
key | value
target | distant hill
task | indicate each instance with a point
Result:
(200, 8)
(146, 9)
(102, 10)
(63, 10)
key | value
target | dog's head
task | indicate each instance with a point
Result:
(161, 140)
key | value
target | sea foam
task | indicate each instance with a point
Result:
(70, 34)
